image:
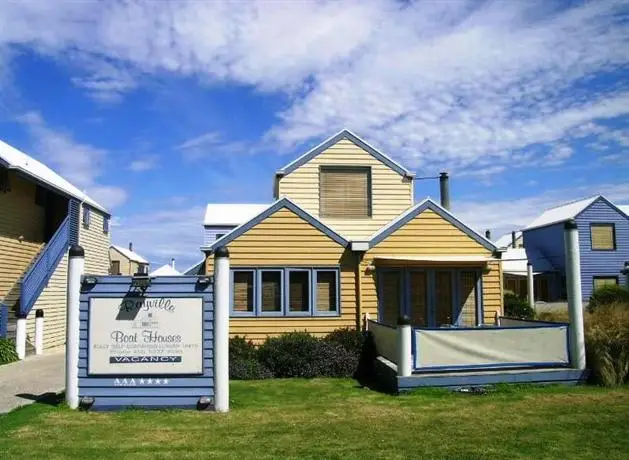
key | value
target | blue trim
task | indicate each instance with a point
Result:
(429, 204)
(337, 310)
(345, 134)
(4, 320)
(530, 365)
(240, 313)
(600, 198)
(282, 310)
(283, 203)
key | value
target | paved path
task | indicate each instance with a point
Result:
(26, 381)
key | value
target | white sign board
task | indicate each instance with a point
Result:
(145, 336)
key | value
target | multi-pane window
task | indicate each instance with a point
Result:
(86, 217)
(106, 224)
(603, 237)
(285, 292)
(345, 192)
(600, 281)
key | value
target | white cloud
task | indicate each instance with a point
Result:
(161, 234)
(144, 163)
(449, 84)
(79, 163)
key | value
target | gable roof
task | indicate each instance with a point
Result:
(197, 269)
(231, 214)
(567, 211)
(12, 158)
(420, 207)
(345, 134)
(279, 204)
(131, 255)
(165, 270)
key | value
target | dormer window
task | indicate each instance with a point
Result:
(345, 192)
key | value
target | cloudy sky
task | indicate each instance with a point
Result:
(157, 108)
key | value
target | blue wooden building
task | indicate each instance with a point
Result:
(603, 240)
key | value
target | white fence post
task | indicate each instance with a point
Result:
(530, 284)
(221, 330)
(39, 331)
(20, 337)
(575, 301)
(76, 264)
(404, 364)
(366, 321)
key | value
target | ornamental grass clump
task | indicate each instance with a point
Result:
(7, 351)
(607, 343)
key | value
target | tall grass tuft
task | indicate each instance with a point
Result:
(607, 343)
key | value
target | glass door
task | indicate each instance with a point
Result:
(443, 298)
(418, 298)
(390, 296)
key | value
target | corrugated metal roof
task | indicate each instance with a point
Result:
(131, 255)
(15, 159)
(561, 213)
(235, 214)
(165, 270)
(514, 261)
(624, 208)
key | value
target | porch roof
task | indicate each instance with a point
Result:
(439, 258)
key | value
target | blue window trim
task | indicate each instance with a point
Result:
(284, 313)
(431, 297)
(86, 217)
(233, 312)
(287, 273)
(258, 293)
(313, 288)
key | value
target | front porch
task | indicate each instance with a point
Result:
(510, 351)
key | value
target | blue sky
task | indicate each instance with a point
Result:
(157, 108)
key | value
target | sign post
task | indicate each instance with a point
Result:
(221, 330)
(76, 263)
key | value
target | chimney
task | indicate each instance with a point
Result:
(513, 238)
(488, 234)
(130, 246)
(172, 262)
(444, 186)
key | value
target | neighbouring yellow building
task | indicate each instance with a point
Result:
(344, 239)
(41, 214)
(127, 262)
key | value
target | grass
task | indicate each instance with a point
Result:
(328, 418)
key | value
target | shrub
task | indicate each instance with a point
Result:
(243, 361)
(608, 295)
(299, 354)
(351, 339)
(516, 307)
(607, 344)
(7, 351)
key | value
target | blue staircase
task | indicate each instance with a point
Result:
(45, 264)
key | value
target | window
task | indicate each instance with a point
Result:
(219, 236)
(298, 292)
(603, 237)
(271, 291)
(86, 217)
(345, 191)
(600, 281)
(106, 224)
(285, 292)
(326, 292)
(243, 292)
(114, 268)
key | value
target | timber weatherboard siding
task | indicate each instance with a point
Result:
(602, 263)
(285, 239)
(210, 233)
(95, 242)
(20, 218)
(430, 234)
(392, 193)
(127, 266)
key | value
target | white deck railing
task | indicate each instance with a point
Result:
(386, 340)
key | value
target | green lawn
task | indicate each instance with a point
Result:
(330, 418)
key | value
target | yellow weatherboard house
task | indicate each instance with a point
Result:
(344, 239)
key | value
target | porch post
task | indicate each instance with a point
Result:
(221, 330)
(575, 301)
(76, 264)
(39, 331)
(530, 284)
(20, 336)
(405, 357)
